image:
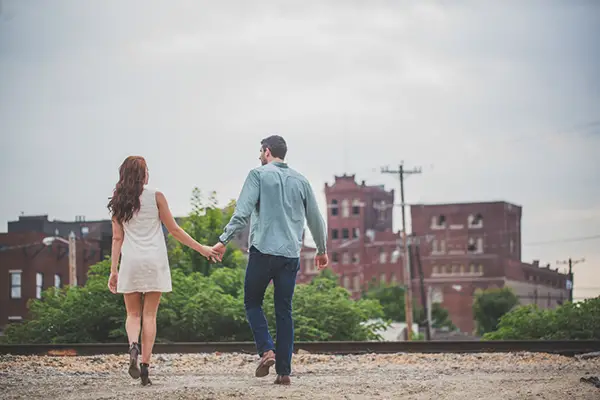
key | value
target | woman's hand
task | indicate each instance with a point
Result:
(210, 253)
(112, 282)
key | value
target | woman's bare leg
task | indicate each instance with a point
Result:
(151, 302)
(133, 323)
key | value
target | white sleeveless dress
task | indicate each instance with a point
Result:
(144, 261)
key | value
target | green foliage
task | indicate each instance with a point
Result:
(391, 298)
(571, 321)
(74, 314)
(490, 305)
(206, 303)
(205, 223)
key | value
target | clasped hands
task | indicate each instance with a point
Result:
(216, 252)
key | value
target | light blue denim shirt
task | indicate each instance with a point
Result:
(278, 201)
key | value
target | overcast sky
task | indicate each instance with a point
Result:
(494, 100)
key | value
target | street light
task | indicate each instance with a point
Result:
(48, 241)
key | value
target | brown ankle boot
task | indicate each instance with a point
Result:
(283, 380)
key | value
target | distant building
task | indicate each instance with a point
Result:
(470, 246)
(463, 247)
(27, 267)
(361, 244)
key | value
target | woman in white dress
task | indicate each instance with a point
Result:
(138, 239)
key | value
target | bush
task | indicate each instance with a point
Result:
(490, 305)
(571, 321)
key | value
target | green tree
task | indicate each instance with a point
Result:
(571, 321)
(490, 305)
(391, 298)
(205, 224)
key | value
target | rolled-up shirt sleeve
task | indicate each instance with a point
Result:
(246, 203)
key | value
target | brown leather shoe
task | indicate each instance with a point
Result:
(266, 362)
(283, 380)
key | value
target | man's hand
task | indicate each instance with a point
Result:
(219, 248)
(321, 261)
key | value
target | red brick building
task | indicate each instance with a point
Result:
(361, 243)
(27, 267)
(465, 247)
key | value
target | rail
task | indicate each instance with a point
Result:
(563, 347)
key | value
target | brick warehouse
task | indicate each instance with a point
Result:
(27, 266)
(464, 247)
(361, 243)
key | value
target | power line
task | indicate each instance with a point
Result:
(565, 240)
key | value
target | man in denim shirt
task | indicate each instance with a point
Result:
(278, 201)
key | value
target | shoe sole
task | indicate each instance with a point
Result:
(134, 370)
(263, 369)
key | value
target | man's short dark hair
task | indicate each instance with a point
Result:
(276, 144)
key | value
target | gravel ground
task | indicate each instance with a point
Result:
(228, 376)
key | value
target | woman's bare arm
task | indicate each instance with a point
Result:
(174, 229)
(117, 244)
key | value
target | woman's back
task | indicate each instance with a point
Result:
(144, 262)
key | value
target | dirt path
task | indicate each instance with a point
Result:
(402, 376)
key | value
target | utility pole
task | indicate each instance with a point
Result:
(570, 263)
(424, 296)
(407, 276)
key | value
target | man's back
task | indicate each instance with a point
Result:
(280, 201)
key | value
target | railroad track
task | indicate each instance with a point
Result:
(564, 347)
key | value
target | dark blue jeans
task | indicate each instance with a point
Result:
(261, 269)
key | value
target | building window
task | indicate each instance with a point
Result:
(435, 270)
(356, 283)
(345, 258)
(481, 269)
(475, 221)
(438, 222)
(309, 265)
(394, 280)
(39, 285)
(345, 233)
(472, 268)
(454, 270)
(334, 208)
(382, 279)
(345, 208)
(395, 256)
(58, 283)
(356, 207)
(444, 270)
(335, 234)
(382, 255)
(346, 282)
(334, 258)
(462, 270)
(15, 284)
(355, 233)
(438, 246)
(512, 246)
(475, 245)
(355, 258)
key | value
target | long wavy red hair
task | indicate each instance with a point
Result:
(125, 201)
